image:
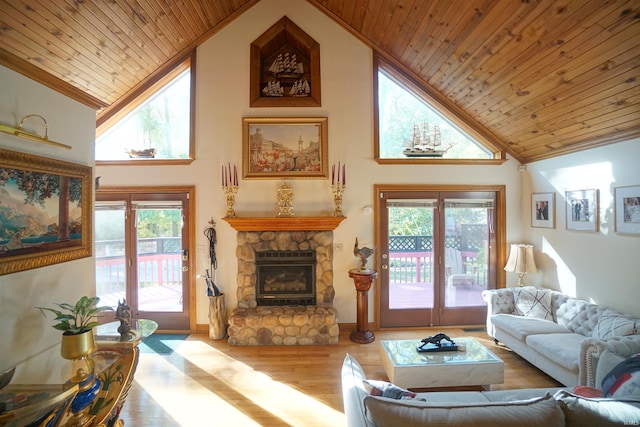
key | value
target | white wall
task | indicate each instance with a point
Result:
(603, 267)
(23, 330)
(223, 100)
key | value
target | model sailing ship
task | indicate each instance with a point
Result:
(300, 88)
(273, 88)
(287, 69)
(425, 143)
(146, 152)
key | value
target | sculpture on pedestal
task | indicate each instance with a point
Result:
(363, 254)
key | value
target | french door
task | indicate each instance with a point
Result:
(143, 256)
(437, 253)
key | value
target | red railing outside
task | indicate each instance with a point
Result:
(153, 270)
(410, 267)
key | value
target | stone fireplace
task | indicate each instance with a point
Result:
(290, 305)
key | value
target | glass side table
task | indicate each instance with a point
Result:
(39, 393)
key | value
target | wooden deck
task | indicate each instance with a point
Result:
(162, 298)
(420, 295)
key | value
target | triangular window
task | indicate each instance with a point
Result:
(411, 129)
(154, 126)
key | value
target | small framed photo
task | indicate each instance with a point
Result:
(627, 209)
(582, 210)
(283, 148)
(543, 207)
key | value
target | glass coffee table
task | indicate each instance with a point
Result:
(472, 365)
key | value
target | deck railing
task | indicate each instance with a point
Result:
(160, 265)
(411, 258)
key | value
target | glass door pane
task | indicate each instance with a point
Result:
(411, 253)
(110, 254)
(466, 249)
(409, 272)
(159, 256)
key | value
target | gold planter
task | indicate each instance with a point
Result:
(77, 346)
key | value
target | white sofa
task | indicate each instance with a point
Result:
(525, 407)
(560, 335)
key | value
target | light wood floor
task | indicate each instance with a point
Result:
(207, 383)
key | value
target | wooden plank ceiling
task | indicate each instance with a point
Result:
(542, 77)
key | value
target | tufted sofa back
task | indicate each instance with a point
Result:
(577, 315)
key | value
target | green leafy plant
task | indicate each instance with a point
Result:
(79, 318)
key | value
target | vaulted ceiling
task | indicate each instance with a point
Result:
(541, 78)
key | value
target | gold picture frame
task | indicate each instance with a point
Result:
(284, 148)
(31, 189)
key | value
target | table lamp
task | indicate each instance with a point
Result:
(521, 261)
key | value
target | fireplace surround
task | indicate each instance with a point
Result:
(295, 324)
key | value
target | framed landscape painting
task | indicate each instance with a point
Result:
(281, 148)
(582, 210)
(627, 209)
(46, 214)
(543, 207)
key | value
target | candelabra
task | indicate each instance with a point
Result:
(337, 190)
(230, 195)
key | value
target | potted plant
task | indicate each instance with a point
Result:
(77, 323)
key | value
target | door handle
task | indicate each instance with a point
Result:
(185, 269)
(185, 255)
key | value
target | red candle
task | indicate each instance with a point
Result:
(338, 173)
(333, 174)
(344, 174)
(235, 175)
(222, 178)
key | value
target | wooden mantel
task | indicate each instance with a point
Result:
(316, 223)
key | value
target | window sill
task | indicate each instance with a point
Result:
(440, 161)
(146, 162)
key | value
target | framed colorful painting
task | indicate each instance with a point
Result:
(46, 215)
(282, 148)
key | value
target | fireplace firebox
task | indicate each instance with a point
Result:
(286, 277)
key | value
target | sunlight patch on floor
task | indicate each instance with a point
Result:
(183, 397)
(293, 407)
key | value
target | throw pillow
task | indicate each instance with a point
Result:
(623, 380)
(612, 324)
(392, 391)
(584, 412)
(533, 302)
(584, 391)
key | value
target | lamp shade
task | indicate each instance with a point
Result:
(521, 259)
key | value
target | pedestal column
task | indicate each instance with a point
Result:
(362, 280)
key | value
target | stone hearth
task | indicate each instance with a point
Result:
(250, 324)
